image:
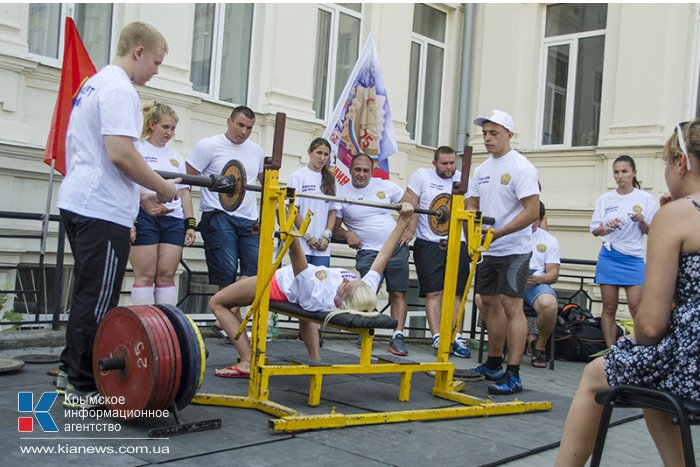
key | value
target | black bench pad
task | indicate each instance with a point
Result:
(343, 320)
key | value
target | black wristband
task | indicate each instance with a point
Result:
(190, 223)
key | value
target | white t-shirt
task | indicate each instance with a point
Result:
(168, 160)
(628, 239)
(427, 184)
(209, 157)
(545, 250)
(305, 180)
(500, 183)
(107, 105)
(371, 225)
(314, 289)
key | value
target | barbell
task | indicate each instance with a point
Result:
(232, 186)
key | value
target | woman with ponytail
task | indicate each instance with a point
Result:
(317, 178)
(158, 240)
(621, 219)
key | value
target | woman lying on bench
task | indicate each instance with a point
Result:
(314, 288)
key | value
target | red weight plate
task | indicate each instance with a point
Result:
(164, 358)
(123, 333)
(176, 357)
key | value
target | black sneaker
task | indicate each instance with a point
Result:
(397, 345)
(509, 384)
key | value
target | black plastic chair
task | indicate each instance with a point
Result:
(686, 413)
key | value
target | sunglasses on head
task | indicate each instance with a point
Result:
(681, 143)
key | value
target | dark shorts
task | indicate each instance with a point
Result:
(228, 240)
(504, 275)
(430, 262)
(396, 272)
(152, 230)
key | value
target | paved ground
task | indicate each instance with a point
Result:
(244, 439)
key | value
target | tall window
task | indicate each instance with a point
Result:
(94, 23)
(425, 78)
(337, 47)
(574, 45)
(221, 50)
(696, 101)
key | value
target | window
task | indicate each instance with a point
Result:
(574, 45)
(94, 23)
(221, 45)
(425, 74)
(337, 47)
(696, 78)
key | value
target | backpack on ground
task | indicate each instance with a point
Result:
(578, 335)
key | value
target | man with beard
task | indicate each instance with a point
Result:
(423, 186)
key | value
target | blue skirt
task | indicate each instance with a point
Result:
(614, 268)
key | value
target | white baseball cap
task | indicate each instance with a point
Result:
(499, 117)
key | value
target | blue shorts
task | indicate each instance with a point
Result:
(152, 230)
(319, 260)
(614, 268)
(228, 240)
(533, 292)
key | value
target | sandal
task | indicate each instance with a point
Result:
(539, 358)
(231, 371)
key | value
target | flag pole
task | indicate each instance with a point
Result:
(41, 306)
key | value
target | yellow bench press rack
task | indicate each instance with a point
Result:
(289, 419)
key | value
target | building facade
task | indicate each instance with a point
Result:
(584, 83)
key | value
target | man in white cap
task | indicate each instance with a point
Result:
(504, 187)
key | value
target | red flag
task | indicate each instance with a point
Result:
(77, 68)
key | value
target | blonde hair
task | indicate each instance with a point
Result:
(140, 34)
(691, 136)
(153, 112)
(360, 300)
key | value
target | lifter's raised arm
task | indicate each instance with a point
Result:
(389, 246)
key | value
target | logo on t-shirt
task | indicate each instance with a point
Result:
(174, 163)
(381, 195)
(637, 209)
(505, 179)
(321, 275)
(541, 247)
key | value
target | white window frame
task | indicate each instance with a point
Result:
(423, 42)
(216, 60)
(335, 10)
(690, 111)
(68, 9)
(572, 40)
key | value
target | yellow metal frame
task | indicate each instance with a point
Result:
(288, 419)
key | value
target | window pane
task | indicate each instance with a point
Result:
(323, 36)
(43, 31)
(348, 45)
(570, 18)
(94, 23)
(555, 94)
(589, 82)
(352, 6)
(433, 92)
(413, 90)
(200, 68)
(235, 54)
(429, 22)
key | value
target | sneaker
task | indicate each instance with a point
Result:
(491, 375)
(61, 382)
(436, 342)
(358, 343)
(460, 349)
(509, 384)
(82, 400)
(397, 345)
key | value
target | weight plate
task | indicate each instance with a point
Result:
(159, 352)
(175, 376)
(440, 225)
(165, 365)
(124, 333)
(202, 351)
(189, 352)
(9, 364)
(39, 358)
(235, 170)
